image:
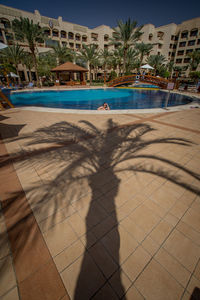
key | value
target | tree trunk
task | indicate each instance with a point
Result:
(19, 79)
(30, 75)
(141, 59)
(35, 66)
(120, 71)
(90, 69)
(124, 63)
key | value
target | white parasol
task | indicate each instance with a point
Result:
(2, 46)
(146, 67)
(11, 74)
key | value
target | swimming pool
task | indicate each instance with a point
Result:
(91, 99)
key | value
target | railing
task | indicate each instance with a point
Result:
(161, 82)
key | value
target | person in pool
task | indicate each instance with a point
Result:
(105, 106)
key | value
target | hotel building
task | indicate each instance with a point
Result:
(171, 40)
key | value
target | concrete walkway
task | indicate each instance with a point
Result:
(99, 206)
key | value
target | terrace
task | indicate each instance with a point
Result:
(109, 200)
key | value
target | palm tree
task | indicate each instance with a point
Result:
(13, 55)
(132, 57)
(62, 54)
(112, 63)
(156, 61)
(170, 66)
(46, 62)
(88, 54)
(105, 56)
(26, 30)
(126, 35)
(118, 55)
(96, 63)
(5, 69)
(28, 62)
(143, 49)
(178, 70)
(194, 59)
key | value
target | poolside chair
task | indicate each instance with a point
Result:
(30, 85)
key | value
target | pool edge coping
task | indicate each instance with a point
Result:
(124, 111)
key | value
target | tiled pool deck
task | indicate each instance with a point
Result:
(99, 206)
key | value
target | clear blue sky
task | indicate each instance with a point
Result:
(93, 13)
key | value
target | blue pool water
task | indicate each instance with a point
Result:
(92, 99)
(147, 86)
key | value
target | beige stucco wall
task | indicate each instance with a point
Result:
(164, 44)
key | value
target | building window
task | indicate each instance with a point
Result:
(182, 44)
(194, 32)
(184, 34)
(105, 46)
(64, 44)
(6, 23)
(47, 31)
(174, 46)
(169, 53)
(176, 38)
(178, 61)
(71, 45)
(189, 51)
(181, 52)
(198, 42)
(186, 60)
(191, 43)
(77, 37)
(106, 37)
(173, 54)
(160, 35)
(197, 49)
(94, 36)
(150, 37)
(51, 43)
(78, 46)
(171, 46)
(55, 33)
(159, 46)
(172, 37)
(63, 34)
(70, 35)
(84, 38)
(158, 53)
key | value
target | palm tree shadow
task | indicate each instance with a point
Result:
(86, 160)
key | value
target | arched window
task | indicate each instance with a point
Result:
(184, 34)
(70, 35)
(150, 37)
(5, 22)
(84, 38)
(106, 37)
(47, 31)
(63, 34)
(94, 36)
(77, 37)
(55, 32)
(194, 32)
(160, 35)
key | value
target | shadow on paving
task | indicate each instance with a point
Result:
(83, 159)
